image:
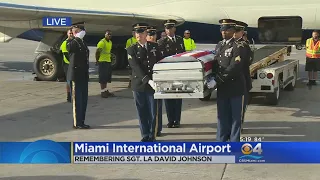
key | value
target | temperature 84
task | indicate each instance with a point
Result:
(251, 139)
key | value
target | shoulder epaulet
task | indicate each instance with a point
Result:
(153, 43)
(131, 46)
(164, 38)
(240, 43)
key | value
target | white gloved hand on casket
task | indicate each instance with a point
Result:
(211, 83)
(152, 84)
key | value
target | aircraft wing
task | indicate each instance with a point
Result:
(16, 18)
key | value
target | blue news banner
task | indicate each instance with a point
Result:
(56, 21)
(50, 152)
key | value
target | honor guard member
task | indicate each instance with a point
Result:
(188, 42)
(103, 60)
(152, 37)
(171, 45)
(230, 81)
(163, 35)
(130, 42)
(65, 53)
(141, 57)
(78, 74)
(246, 61)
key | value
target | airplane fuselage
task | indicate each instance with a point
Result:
(200, 16)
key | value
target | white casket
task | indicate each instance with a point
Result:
(183, 75)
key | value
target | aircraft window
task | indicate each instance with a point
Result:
(280, 29)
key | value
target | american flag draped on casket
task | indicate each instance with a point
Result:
(183, 75)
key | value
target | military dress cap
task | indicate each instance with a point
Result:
(79, 25)
(170, 23)
(241, 25)
(152, 30)
(140, 27)
(227, 24)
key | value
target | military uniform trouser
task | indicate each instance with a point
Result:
(230, 112)
(147, 108)
(69, 83)
(79, 101)
(159, 104)
(173, 108)
(245, 105)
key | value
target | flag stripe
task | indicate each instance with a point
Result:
(205, 56)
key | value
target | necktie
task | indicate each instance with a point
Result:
(144, 48)
(173, 39)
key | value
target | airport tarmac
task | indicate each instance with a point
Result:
(32, 110)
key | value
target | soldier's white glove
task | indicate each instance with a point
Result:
(80, 34)
(211, 84)
(152, 84)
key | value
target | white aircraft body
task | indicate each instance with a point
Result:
(19, 16)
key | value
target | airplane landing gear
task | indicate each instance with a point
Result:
(48, 67)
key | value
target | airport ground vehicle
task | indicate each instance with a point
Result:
(271, 72)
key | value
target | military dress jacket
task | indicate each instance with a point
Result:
(141, 61)
(168, 47)
(228, 69)
(79, 60)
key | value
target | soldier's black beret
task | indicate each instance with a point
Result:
(140, 27)
(227, 24)
(152, 30)
(241, 25)
(170, 23)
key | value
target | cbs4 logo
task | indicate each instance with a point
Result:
(248, 149)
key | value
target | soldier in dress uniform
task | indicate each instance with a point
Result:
(230, 83)
(238, 35)
(78, 74)
(171, 45)
(152, 37)
(141, 57)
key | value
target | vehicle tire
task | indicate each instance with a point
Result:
(115, 59)
(48, 67)
(273, 98)
(292, 85)
(299, 47)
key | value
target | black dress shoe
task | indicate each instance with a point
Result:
(176, 124)
(81, 127)
(87, 126)
(170, 125)
(158, 134)
(145, 139)
(152, 139)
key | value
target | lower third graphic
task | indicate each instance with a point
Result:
(45, 152)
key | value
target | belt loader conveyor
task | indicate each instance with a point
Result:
(271, 72)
